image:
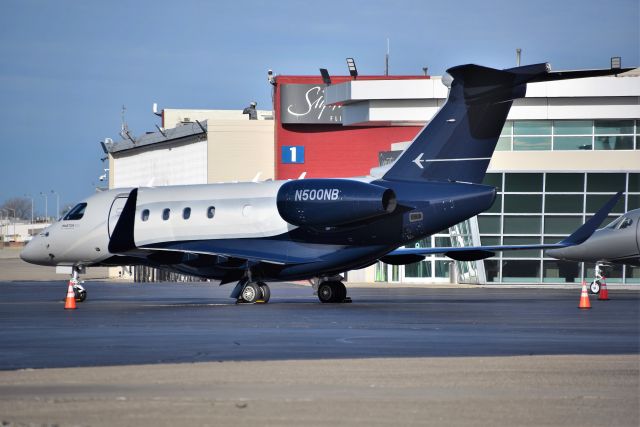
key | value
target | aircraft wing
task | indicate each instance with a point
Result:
(475, 253)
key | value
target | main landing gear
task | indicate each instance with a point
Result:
(253, 293)
(331, 290)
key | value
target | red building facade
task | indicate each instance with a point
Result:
(309, 136)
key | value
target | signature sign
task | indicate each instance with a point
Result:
(305, 104)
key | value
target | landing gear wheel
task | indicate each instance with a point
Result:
(266, 292)
(594, 287)
(326, 292)
(331, 292)
(80, 295)
(79, 292)
(251, 293)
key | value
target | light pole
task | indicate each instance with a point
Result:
(29, 196)
(46, 207)
(1, 228)
(57, 204)
(14, 223)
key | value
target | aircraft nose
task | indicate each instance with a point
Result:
(33, 252)
(556, 253)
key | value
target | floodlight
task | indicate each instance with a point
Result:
(326, 78)
(616, 62)
(352, 67)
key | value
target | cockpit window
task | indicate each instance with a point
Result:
(76, 213)
(625, 223)
(615, 223)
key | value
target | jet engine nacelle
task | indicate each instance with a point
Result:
(332, 202)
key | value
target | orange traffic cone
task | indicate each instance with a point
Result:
(584, 297)
(604, 293)
(70, 301)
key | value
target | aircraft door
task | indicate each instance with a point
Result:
(114, 213)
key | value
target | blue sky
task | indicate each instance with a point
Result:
(67, 67)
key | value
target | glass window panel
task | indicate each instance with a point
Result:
(507, 129)
(531, 143)
(565, 182)
(504, 143)
(634, 182)
(523, 203)
(532, 127)
(549, 240)
(561, 271)
(523, 182)
(613, 273)
(442, 268)
(442, 242)
(492, 270)
(381, 272)
(572, 143)
(522, 224)
(489, 224)
(489, 240)
(572, 127)
(561, 224)
(613, 127)
(493, 179)
(613, 143)
(418, 269)
(563, 203)
(497, 205)
(595, 202)
(633, 202)
(633, 274)
(638, 141)
(605, 182)
(520, 271)
(518, 240)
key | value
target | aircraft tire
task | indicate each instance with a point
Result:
(327, 292)
(266, 292)
(80, 295)
(594, 287)
(251, 293)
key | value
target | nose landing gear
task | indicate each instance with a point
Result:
(79, 291)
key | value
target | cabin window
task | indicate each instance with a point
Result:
(211, 211)
(166, 213)
(76, 213)
(144, 215)
(186, 213)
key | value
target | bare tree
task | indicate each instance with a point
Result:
(20, 205)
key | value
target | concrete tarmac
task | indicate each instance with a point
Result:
(184, 354)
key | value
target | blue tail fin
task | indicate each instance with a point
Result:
(457, 144)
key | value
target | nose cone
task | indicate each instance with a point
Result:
(557, 253)
(34, 253)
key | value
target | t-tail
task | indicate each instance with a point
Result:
(457, 144)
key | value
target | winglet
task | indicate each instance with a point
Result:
(584, 232)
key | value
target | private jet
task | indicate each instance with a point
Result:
(313, 229)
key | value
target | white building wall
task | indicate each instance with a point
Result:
(170, 164)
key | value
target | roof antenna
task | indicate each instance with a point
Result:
(518, 55)
(386, 60)
(124, 128)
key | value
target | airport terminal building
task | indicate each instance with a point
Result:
(565, 149)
